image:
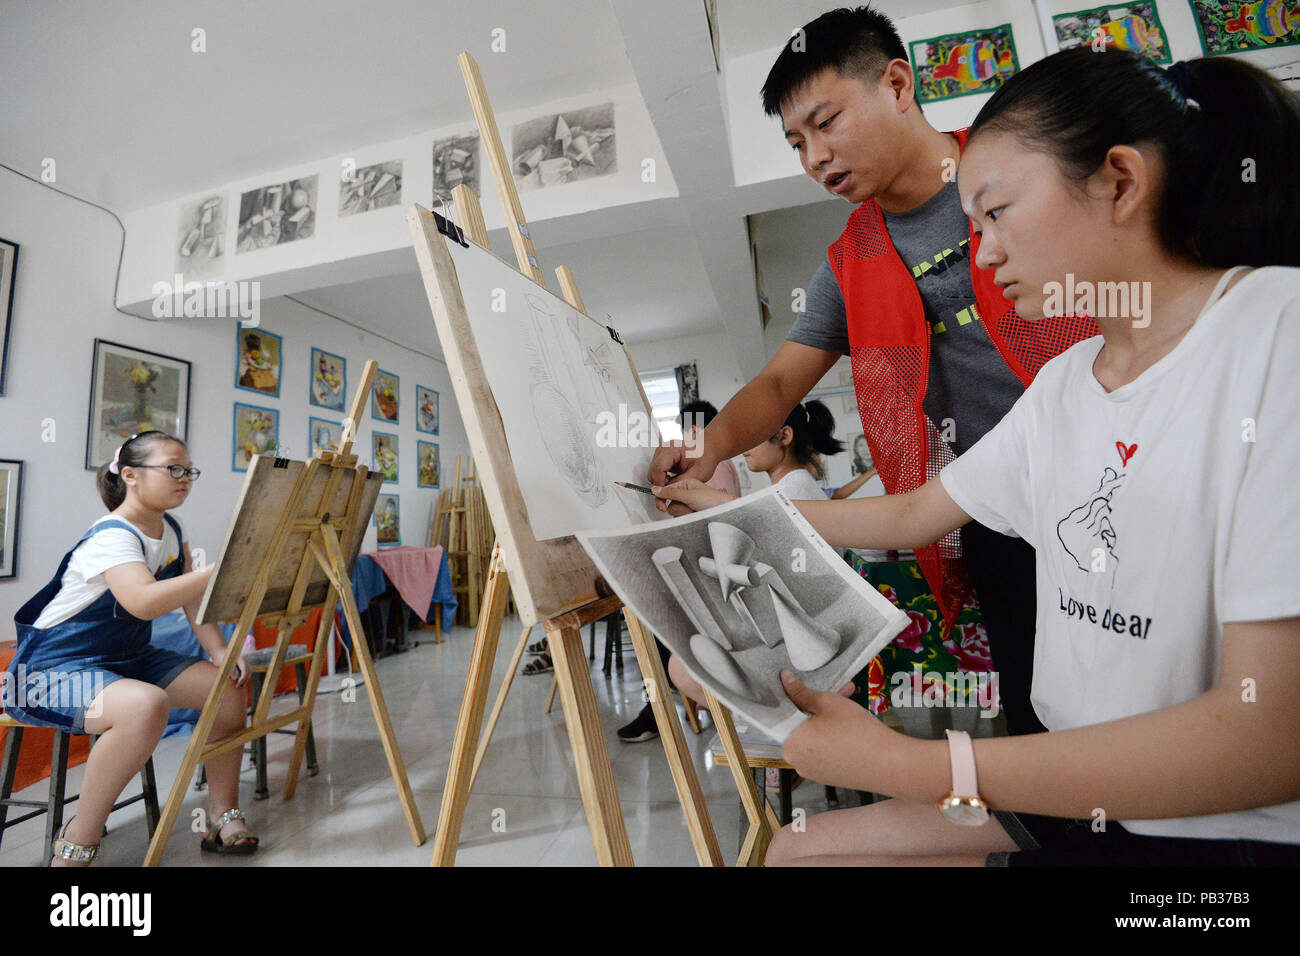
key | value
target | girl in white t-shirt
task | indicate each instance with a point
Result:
(84, 663)
(1151, 467)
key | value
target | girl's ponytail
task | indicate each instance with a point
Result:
(1232, 195)
(1228, 133)
(813, 426)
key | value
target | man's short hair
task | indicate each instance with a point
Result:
(856, 42)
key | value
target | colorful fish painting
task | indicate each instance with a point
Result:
(1268, 20)
(972, 63)
(1130, 33)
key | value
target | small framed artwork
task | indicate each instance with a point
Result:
(329, 379)
(1232, 26)
(426, 410)
(134, 391)
(257, 432)
(11, 493)
(8, 270)
(383, 397)
(323, 435)
(1135, 27)
(383, 448)
(388, 519)
(427, 454)
(257, 361)
(962, 64)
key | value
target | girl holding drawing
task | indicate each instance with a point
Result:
(1151, 468)
(84, 662)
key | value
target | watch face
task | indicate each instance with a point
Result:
(957, 810)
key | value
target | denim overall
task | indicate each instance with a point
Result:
(67, 665)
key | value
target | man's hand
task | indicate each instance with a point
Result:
(675, 456)
(689, 495)
(838, 744)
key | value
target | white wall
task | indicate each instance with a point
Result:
(720, 376)
(63, 301)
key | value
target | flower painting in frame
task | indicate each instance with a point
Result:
(257, 432)
(133, 391)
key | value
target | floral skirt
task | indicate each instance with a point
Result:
(931, 661)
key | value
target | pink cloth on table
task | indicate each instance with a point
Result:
(413, 571)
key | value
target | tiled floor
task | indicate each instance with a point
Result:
(350, 814)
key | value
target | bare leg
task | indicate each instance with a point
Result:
(191, 690)
(131, 718)
(890, 833)
(684, 681)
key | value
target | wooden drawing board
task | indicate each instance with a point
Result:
(261, 507)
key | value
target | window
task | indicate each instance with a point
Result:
(661, 389)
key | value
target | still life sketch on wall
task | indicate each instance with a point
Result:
(276, 214)
(370, 187)
(575, 418)
(564, 147)
(455, 161)
(742, 591)
(201, 236)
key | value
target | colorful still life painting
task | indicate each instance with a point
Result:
(257, 432)
(427, 453)
(388, 523)
(1134, 27)
(383, 448)
(1230, 27)
(959, 64)
(383, 396)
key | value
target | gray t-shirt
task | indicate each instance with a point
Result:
(968, 382)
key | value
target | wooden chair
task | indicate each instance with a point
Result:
(57, 800)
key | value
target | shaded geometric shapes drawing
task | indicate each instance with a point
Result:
(809, 643)
(668, 561)
(721, 667)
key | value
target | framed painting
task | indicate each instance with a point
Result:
(11, 494)
(323, 435)
(257, 432)
(1135, 27)
(1230, 26)
(426, 410)
(383, 448)
(329, 379)
(258, 361)
(426, 453)
(963, 64)
(388, 520)
(133, 391)
(383, 397)
(8, 271)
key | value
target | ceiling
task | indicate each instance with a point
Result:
(133, 117)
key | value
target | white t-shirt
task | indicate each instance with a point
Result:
(800, 485)
(1159, 512)
(83, 581)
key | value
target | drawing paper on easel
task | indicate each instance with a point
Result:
(741, 591)
(575, 417)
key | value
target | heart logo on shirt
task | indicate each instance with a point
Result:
(1125, 451)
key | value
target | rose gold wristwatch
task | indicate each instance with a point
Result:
(963, 806)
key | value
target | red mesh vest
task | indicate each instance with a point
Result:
(889, 348)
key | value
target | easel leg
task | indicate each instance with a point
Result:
(198, 740)
(756, 810)
(680, 763)
(377, 704)
(308, 702)
(455, 793)
(550, 698)
(497, 707)
(595, 776)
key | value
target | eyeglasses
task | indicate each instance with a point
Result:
(178, 472)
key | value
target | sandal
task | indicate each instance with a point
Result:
(242, 842)
(65, 849)
(541, 647)
(542, 665)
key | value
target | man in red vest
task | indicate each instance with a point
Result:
(937, 351)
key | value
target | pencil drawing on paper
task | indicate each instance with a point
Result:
(745, 590)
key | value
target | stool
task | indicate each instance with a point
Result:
(53, 806)
(259, 663)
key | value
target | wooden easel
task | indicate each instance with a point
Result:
(319, 511)
(553, 581)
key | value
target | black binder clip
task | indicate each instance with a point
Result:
(613, 334)
(450, 230)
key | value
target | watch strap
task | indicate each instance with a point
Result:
(962, 756)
